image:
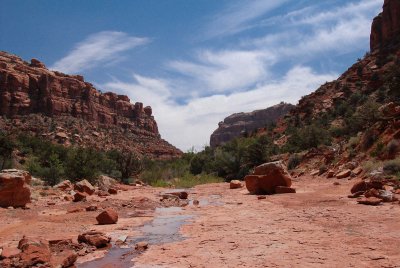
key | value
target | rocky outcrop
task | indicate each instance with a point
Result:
(241, 124)
(14, 188)
(386, 26)
(76, 107)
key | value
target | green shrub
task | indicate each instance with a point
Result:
(294, 161)
(393, 147)
(392, 167)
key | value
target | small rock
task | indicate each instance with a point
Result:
(78, 197)
(64, 185)
(330, 174)
(94, 238)
(357, 171)
(91, 208)
(180, 195)
(260, 197)
(336, 183)
(196, 202)
(141, 246)
(355, 195)
(235, 184)
(112, 191)
(344, 174)
(109, 216)
(371, 201)
(314, 172)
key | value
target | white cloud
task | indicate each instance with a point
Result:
(311, 32)
(235, 18)
(100, 48)
(191, 124)
(225, 71)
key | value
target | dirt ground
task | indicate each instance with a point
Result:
(316, 227)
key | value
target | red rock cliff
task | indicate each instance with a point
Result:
(386, 26)
(31, 88)
(30, 93)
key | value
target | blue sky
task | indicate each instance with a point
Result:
(194, 61)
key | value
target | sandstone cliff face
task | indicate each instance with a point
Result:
(35, 99)
(239, 124)
(386, 26)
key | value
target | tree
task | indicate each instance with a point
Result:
(83, 163)
(128, 163)
(6, 149)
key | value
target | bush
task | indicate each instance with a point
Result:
(294, 161)
(393, 147)
(392, 167)
(7, 147)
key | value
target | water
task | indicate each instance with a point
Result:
(164, 228)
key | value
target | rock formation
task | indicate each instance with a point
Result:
(65, 108)
(240, 124)
(386, 26)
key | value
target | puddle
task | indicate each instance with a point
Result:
(164, 228)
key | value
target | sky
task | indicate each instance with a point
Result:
(194, 61)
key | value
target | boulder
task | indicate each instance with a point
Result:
(108, 216)
(14, 188)
(362, 186)
(64, 185)
(34, 252)
(104, 183)
(85, 187)
(235, 184)
(94, 238)
(343, 174)
(267, 177)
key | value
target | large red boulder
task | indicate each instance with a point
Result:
(14, 188)
(108, 216)
(267, 177)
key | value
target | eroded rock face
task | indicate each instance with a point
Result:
(106, 120)
(14, 188)
(240, 124)
(267, 177)
(386, 26)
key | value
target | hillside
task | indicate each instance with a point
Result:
(239, 124)
(68, 110)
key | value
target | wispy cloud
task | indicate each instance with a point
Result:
(225, 70)
(96, 49)
(237, 16)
